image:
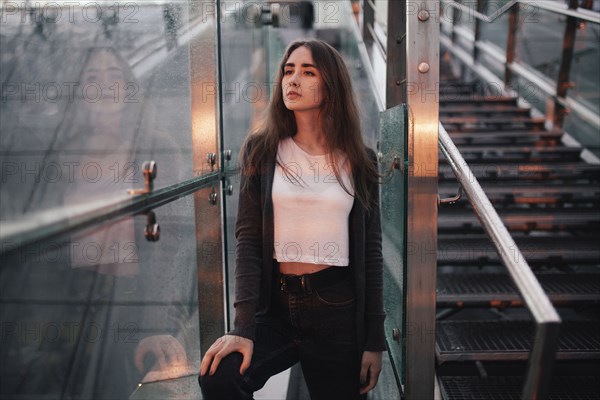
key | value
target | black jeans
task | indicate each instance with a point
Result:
(315, 328)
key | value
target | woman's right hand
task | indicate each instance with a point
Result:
(223, 346)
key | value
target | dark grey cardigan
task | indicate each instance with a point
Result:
(254, 259)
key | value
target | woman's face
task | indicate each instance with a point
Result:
(302, 83)
(104, 87)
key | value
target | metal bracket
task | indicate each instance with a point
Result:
(270, 14)
(149, 168)
(212, 197)
(396, 335)
(228, 188)
(453, 199)
(395, 164)
(152, 230)
(211, 158)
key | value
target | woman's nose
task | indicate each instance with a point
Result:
(294, 79)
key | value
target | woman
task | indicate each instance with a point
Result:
(308, 281)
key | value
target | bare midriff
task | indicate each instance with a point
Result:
(300, 268)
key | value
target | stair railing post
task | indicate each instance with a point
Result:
(422, 72)
(513, 22)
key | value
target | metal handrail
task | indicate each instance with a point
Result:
(46, 225)
(546, 318)
(551, 6)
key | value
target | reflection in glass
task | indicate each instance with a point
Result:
(90, 318)
(85, 102)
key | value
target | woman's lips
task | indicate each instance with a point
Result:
(293, 95)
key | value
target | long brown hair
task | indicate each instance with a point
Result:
(339, 117)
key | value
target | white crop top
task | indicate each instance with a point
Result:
(310, 212)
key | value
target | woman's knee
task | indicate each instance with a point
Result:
(225, 381)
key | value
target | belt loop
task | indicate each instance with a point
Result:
(303, 282)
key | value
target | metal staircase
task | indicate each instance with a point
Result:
(549, 199)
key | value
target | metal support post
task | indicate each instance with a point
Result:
(422, 69)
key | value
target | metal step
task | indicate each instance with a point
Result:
(485, 110)
(550, 201)
(472, 128)
(506, 137)
(456, 88)
(551, 251)
(496, 154)
(511, 388)
(474, 289)
(510, 193)
(511, 340)
(493, 121)
(461, 219)
(475, 100)
(526, 171)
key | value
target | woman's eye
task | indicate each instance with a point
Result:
(310, 73)
(287, 72)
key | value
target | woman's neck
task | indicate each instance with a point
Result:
(309, 132)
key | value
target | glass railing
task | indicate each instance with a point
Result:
(97, 312)
(393, 159)
(89, 93)
(335, 23)
(111, 286)
(563, 85)
(98, 275)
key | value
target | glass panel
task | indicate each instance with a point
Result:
(91, 90)
(490, 62)
(381, 14)
(585, 65)
(465, 18)
(495, 32)
(537, 47)
(583, 132)
(246, 42)
(465, 21)
(245, 79)
(361, 84)
(446, 19)
(393, 147)
(93, 315)
(586, 89)
(540, 34)
(495, 36)
(258, 49)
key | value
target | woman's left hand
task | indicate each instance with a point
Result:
(370, 367)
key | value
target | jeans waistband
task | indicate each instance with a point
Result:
(305, 282)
